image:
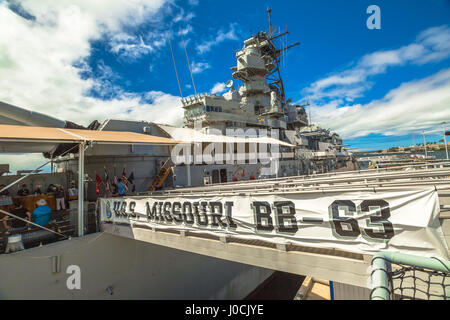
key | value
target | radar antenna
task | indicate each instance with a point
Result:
(269, 11)
(274, 77)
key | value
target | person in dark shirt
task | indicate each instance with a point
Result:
(115, 190)
(37, 190)
(20, 212)
(23, 191)
(5, 192)
(51, 188)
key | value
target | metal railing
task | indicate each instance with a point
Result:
(439, 178)
(406, 280)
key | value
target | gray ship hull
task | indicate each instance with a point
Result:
(126, 268)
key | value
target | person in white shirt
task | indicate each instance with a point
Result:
(73, 192)
(60, 198)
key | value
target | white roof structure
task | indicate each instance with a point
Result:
(26, 139)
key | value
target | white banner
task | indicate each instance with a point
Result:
(360, 222)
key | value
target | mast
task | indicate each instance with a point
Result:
(269, 11)
(275, 54)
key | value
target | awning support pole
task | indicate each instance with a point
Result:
(188, 172)
(81, 147)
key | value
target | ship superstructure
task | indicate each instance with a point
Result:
(259, 103)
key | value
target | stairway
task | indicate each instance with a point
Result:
(162, 175)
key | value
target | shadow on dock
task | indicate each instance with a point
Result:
(279, 286)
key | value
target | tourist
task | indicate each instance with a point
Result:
(20, 212)
(37, 190)
(4, 193)
(60, 198)
(115, 190)
(121, 188)
(42, 214)
(51, 188)
(73, 192)
(23, 191)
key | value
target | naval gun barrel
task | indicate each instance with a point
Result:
(13, 115)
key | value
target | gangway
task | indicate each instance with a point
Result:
(324, 227)
(162, 175)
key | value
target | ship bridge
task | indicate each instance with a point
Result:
(328, 226)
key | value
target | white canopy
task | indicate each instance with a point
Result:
(26, 139)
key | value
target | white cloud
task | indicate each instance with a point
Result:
(185, 31)
(412, 107)
(132, 47)
(218, 88)
(198, 67)
(23, 162)
(108, 15)
(220, 37)
(431, 45)
(416, 105)
(182, 16)
(41, 60)
(42, 57)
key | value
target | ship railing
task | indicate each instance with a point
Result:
(439, 187)
(399, 276)
(432, 177)
(32, 234)
(62, 226)
(333, 175)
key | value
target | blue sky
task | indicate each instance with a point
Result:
(333, 36)
(81, 61)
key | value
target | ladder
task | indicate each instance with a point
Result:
(162, 175)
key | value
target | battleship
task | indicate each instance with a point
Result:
(255, 110)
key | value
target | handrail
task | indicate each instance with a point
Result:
(343, 173)
(381, 268)
(354, 175)
(321, 190)
(32, 223)
(373, 180)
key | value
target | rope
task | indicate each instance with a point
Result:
(175, 66)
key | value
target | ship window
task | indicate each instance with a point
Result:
(223, 175)
(215, 176)
(259, 110)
